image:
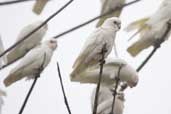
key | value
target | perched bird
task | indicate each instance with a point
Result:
(105, 100)
(39, 6)
(110, 72)
(3, 59)
(21, 49)
(91, 52)
(32, 63)
(150, 28)
(108, 5)
(2, 93)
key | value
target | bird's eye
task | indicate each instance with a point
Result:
(115, 22)
(51, 41)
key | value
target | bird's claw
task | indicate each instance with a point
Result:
(114, 92)
(102, 62)
(157, 43)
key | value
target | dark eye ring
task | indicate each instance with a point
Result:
(115, 22)
(51, 41)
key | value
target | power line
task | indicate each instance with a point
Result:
(14, 2)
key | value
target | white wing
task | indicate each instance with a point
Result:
(106, 106)
(105, 101)
(39, 6)
(3, 60)
(110, 71)
(30, 64)
(90, 54)
(104, 93)
(21, 49)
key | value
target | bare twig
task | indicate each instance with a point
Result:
(156, 47)
(33, 85)
(93, 19)
(63, 90)
(102, 62)
(36, 29)
(28, 95)
(115, 89)
(13, 2)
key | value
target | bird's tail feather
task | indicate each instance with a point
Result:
(77, 71)
(136, 48)
(101, 21)
(11, 79)
(39, 5)
(136, 24)
(139, 25)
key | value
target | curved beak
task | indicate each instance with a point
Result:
(119, 26)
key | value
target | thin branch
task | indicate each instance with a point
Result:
(115, 89)
(36, 29)
(33, 85)
(102, 61)
(14, 2)
(93, 19)
(28, 95)
(63, 90)
(156, 47)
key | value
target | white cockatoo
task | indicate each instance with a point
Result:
(105, 101)
(30, 65)
(150, 28)
(110, 71)
(21, 49)
(2, 94)
(3, 59)
(91, 52)
(108, 5)
(39, 6)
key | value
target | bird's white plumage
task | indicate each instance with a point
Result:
(110, 71)
(91, 52)
(30, 64)
(108, 5)
(3, 59)
(39, 6)
(2, 94)
(150, 28)
(21, 49)
(105, 101)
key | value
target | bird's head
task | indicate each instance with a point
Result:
(133, 81)
(129, 75)
(113, 23)
(52, 43)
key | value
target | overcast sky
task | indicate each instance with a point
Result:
(152, 94)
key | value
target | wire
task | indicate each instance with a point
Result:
(63, 90)
(13, 2)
